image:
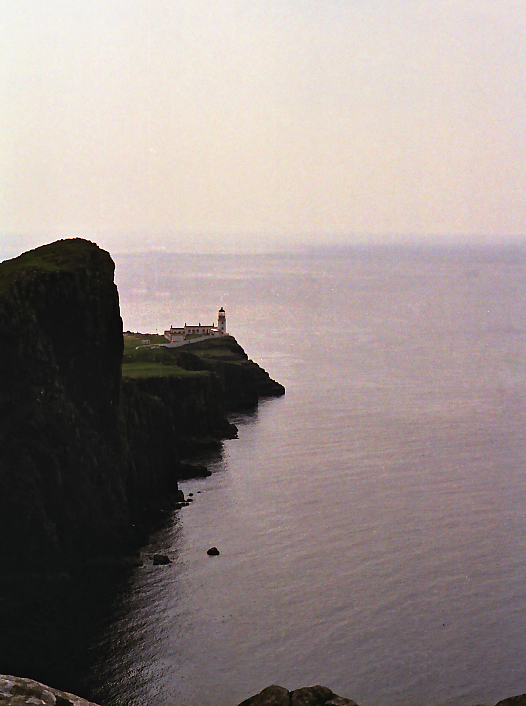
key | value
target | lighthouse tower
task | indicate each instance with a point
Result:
(221, 321)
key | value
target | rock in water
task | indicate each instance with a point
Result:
(310, 696)
(273, 695)
(213, 551)
(306, 696)
(513, 701)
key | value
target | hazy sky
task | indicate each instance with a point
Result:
(222, 124)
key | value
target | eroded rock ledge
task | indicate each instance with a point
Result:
(17, 691)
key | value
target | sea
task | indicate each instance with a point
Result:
(371, 523)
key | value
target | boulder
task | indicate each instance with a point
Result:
(311, 696)
(273, 695)
(213, 551)
(513, 701)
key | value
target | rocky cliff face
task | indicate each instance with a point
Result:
(243, 381)
(60, 355)
(83, 454)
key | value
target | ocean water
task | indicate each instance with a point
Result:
(371, 522)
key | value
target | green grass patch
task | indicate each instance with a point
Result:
(63, 255)
(134, 340)
(144, 361)
(144, 354)
(221, 348)
(158, 370)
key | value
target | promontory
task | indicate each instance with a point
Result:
(88, 454)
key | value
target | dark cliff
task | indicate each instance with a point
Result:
(84, 454)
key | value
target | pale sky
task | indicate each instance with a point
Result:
(209, 125)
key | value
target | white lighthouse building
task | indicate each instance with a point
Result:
(221, 321)
(192, 333)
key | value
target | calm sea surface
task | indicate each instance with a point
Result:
(372, 522)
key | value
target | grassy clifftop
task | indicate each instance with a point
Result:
(60, 256)
(243, 382)
(144, 361)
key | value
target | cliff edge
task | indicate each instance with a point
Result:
(85, 454)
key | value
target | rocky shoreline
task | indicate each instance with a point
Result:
(19, 691)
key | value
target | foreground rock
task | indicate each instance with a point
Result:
(275, 695)
(513, 701)
(16, 691)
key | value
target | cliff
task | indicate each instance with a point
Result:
(85, 454)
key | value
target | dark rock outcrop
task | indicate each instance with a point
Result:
(192, 406)
(311, 696)
(86, 456)
(272, 695)
(513, 701)
(193, 470)
(275, 695)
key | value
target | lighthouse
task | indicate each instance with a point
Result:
(221, 321)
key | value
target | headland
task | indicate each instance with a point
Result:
(94, 432)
